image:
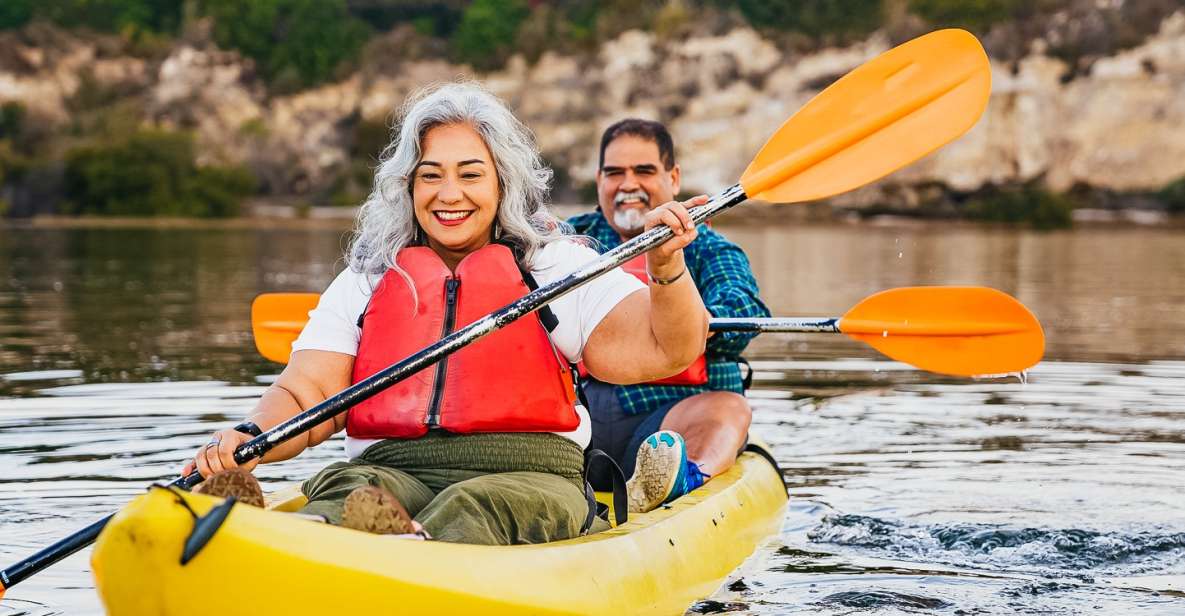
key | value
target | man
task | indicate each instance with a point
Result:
(701, 416)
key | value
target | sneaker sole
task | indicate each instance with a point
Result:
(234, 482)
(648, 490)
(374, 510)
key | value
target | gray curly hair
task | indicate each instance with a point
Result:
(386, 222)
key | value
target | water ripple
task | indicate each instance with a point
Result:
(1009, 549)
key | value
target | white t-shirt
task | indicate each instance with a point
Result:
(333, 324)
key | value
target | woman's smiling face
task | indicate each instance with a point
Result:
(455, 191)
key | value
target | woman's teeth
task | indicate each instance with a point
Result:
(451, 215)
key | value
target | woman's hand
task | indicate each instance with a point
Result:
(219, 454)
(666, 260)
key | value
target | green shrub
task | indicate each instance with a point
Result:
(15, 13)
(816, 18)
(353, 183)
(368, 139)
(1173, 195)
(152, 173)
(429, 17)
(1027, 204)
(487, 31)
(971, 14)
(12, 120)
(218, 191)
(128, 17)
(294, 43)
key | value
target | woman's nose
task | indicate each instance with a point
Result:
(449, 192)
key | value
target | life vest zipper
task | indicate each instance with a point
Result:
(450, 318)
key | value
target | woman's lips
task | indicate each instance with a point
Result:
(451, 219)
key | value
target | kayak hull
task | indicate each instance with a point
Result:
(262, 561)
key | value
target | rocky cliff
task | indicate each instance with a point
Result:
(1120, 125)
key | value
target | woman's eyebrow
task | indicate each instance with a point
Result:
(427, 163)
(470, 162)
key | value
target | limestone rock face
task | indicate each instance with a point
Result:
(47, 68)
(212, 93)
(1120, 125)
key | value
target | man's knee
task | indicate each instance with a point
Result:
(735, 410)
(718, 408)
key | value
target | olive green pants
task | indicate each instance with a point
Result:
(492, 489)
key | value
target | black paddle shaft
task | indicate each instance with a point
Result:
(805, 325)
(399, 371)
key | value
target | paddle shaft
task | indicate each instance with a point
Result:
(776, 324)
(399, 371)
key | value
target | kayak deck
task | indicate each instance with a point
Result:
(259, 561)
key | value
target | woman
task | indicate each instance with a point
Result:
(487, 446)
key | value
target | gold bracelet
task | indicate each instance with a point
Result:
(665, 281)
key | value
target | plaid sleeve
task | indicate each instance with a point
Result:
(726, 282)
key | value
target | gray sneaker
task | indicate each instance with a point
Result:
(661, 460)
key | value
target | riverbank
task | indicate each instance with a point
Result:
(74, 106)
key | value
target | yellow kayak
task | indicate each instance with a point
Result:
(261, 561)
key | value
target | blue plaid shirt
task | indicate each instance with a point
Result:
(721, 272)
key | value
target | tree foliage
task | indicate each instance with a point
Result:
(1029, 203)
(120, 16)
(1173, 195)
(817, 18)
(15, 13)
(487, 30)
(431, 17)
(152, 173)
(294, 43)
(972, 14)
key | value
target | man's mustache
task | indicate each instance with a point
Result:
(634, 194)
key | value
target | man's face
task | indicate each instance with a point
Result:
(631, 181)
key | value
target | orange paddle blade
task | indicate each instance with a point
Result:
(277, 319)
(893, 110)
(965, 331)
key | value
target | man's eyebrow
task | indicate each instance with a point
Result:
(636, 168)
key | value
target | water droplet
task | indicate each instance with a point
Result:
(885, 334)
(1022, 376)
(900, 254)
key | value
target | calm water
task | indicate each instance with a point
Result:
(120, 350)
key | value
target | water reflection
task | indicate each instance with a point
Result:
(120, 350)
(1099, 293)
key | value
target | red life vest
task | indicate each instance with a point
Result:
(510, 381)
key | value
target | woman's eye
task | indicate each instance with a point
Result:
(470, 176)
(429, 177)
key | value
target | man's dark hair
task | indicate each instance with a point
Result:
(646, 129)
